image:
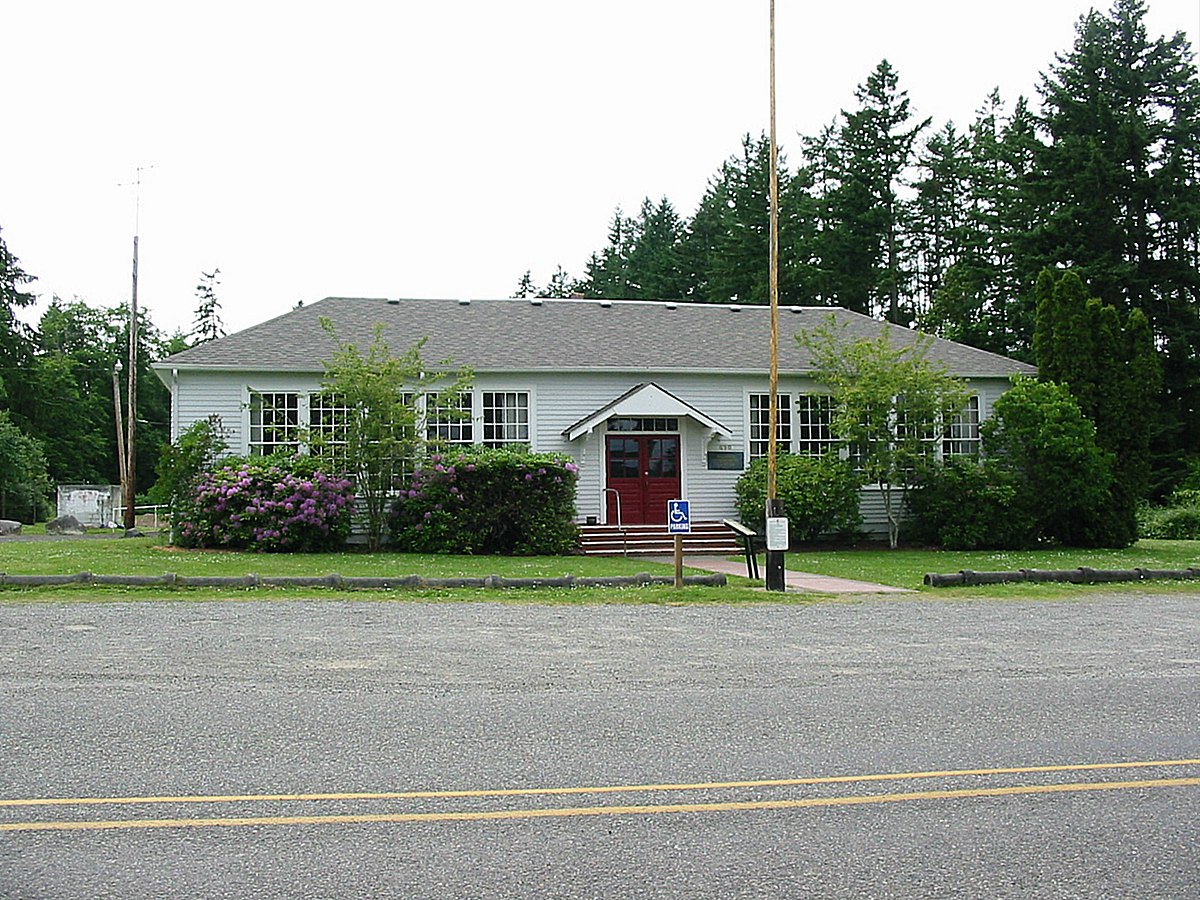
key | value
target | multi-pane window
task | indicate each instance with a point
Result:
(925, 431)
(760, 424)
(962, 432)
(814, 424)
(655, 423)
(450, 422)
(505, 418)
(274, 422)
(328, 417)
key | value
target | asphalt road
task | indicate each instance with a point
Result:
(232, 744)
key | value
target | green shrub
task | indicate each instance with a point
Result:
(481, 500)
(1173, 523)
(181, 465)
(1063, 479)
(966, 505)
(1185, 497)
(819, 495)
(275, 503)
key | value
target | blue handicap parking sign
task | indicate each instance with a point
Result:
(679, 517)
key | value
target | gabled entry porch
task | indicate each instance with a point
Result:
(644, 444)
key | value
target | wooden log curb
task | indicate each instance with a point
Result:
(334, 580)
(1082, 575)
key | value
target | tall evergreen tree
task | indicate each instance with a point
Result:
(942, 222)
(560, 285)
(1109, 364)
(642, 260)
(16, 339)
(207, 323)
(866, 161)
(654, 260)
(1120, 189)
(725, 253)
(525, 286)
(607, 272)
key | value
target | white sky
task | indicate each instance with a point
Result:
(417, 148)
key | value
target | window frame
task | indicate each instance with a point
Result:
(758, 412)
(962, 436)
(814, 431)
(456, 429)
(285, 434)
(496, 430)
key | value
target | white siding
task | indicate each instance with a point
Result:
(557, 401)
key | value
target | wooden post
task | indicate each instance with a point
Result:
(130, 486)
(679, 560)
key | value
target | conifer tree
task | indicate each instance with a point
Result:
(1110, 366)
(207, 323)
(864, 248)
(1120, 186)
(16, 340)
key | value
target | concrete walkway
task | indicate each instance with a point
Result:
(804, 582)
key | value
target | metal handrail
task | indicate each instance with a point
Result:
(119, 514)
(620, 524)
(618, 496)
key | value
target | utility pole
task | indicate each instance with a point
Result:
(776, 580)
(119, 419)
(129, 467)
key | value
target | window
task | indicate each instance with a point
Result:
(643, 424)
(760, 424)
(962, 432)
(274, 422)
(505, 418)
(814, 424)
(328, 416)
(924, 430)
(450, 423)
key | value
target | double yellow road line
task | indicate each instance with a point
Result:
(1059, 787)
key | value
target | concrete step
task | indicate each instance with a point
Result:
(706, 538)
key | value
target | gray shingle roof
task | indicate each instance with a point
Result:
(558, 335)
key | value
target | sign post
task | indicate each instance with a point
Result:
(679, 523)
(777, 544)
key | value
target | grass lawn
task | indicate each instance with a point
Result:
(907, 568)
(147, 556)
(899, 568)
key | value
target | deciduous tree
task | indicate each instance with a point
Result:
(891, 404)
(386, 398)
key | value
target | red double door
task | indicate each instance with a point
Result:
(644, 471)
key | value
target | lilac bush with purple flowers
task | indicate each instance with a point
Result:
(270, 504)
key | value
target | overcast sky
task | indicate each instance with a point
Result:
(416, 148)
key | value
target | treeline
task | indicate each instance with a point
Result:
(948, 229)
(57, 408)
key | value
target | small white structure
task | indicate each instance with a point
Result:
(653, 401)
(93, 505)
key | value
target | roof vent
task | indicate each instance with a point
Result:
(464, 302)
(672, 306)
(535, 301)
(797, 309)
(606, 303)
(735, 308)
(393, 303)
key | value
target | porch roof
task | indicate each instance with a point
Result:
(645, 400)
